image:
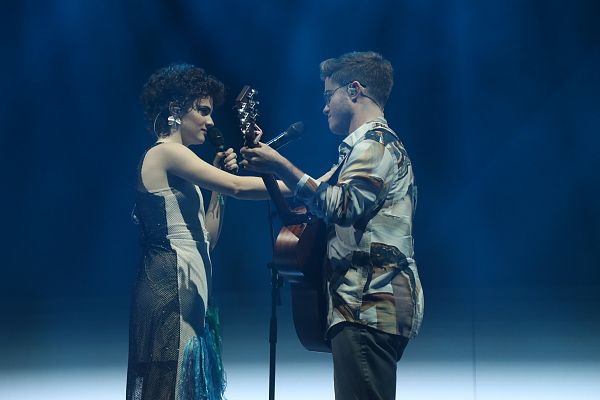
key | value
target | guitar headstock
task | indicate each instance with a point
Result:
(245, 105)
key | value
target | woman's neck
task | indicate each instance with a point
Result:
(174, 137)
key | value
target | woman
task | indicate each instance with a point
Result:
(174, 349)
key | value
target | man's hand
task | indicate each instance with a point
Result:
(262, 159)
(266, 160)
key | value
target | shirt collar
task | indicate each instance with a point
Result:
(350, 141)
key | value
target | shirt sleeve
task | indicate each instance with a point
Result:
(362, 186)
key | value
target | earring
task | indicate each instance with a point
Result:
(174, 121)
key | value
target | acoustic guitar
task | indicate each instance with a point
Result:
(300, 248)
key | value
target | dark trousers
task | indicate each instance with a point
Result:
(364, 362)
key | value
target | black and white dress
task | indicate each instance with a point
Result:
(174, 345)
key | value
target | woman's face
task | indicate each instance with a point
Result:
(196, 122)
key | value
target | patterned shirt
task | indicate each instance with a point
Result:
(373, 278)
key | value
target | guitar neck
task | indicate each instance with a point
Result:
(245, 105)
(288, 217)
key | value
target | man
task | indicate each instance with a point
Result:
(375, 296)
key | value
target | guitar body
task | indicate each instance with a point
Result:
(300, 256)
(300, 249)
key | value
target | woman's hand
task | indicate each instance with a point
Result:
(227, 159)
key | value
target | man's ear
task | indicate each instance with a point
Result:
(352, 89)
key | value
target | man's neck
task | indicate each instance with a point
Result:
(365, 114)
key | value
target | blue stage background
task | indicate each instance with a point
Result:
(497, 103)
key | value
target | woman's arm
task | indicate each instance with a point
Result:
(177, 159)
(214, 217)
(216, 207)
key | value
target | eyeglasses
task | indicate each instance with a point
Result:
(328, 94)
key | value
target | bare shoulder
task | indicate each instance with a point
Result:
(170, 158)
(169, 155)
(167, 150)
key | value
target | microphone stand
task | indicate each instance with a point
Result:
(276, 283)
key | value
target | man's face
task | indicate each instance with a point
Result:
(337, 107)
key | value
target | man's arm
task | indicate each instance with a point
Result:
(362, 186)
(266, 160)
(363, 183)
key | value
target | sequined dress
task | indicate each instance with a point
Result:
(174, 345)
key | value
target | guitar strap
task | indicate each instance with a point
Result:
(334, 178)
(344, 156)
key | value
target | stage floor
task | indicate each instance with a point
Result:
(312, 380)
(491, 349)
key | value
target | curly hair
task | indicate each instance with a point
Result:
(373, 71)
(181, 84)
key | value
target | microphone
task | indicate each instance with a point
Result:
(292, 133)
(217, 140)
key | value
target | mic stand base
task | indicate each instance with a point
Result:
(275, 301)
